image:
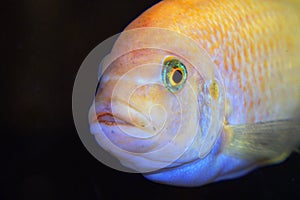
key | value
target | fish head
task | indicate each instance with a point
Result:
(152, 108)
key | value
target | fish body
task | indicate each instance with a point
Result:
(251, 49)
(254, 45)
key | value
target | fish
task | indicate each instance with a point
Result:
(200, 91)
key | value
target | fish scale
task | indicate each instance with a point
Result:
(247, 41)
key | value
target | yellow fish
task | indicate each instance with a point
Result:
(198, 91)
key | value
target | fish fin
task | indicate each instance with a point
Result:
(267, 142)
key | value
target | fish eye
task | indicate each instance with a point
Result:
(174, 74)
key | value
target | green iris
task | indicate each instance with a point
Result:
(174, 74)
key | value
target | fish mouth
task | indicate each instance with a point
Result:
(129, 120)
(124, 126)
(119, 112)
(109, 119)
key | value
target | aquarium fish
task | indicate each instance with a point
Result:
(198, 91)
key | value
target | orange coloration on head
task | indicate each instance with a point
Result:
(247, 41)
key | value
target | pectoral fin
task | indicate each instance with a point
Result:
(266, 142)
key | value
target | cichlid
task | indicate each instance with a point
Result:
(198, 91)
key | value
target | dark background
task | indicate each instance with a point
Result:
(43, 45)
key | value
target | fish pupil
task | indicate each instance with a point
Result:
(177, 76)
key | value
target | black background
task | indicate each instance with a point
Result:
(43, 45)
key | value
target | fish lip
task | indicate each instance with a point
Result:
(105, 111)
(109, 119)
